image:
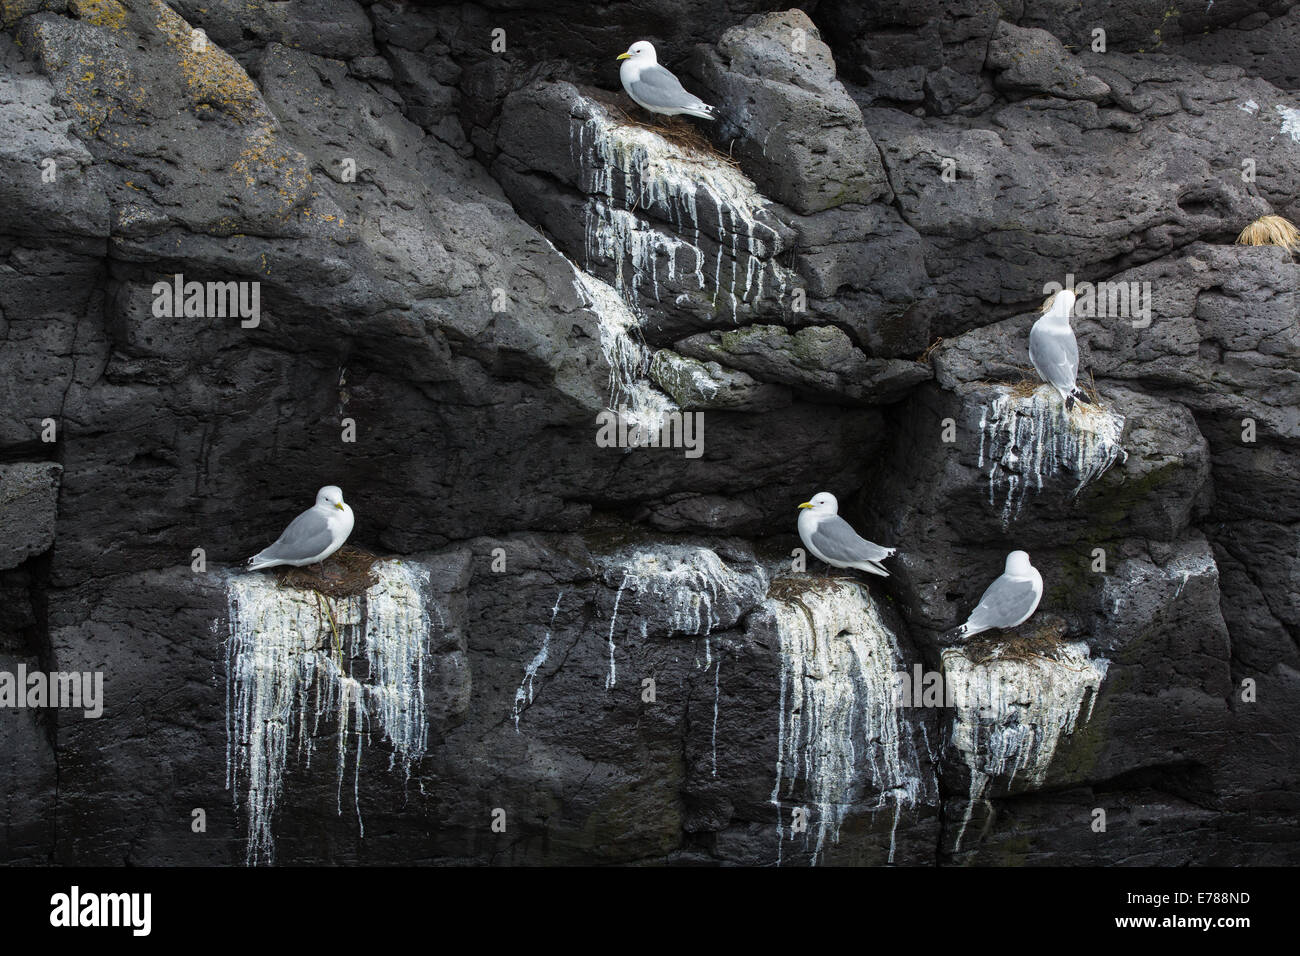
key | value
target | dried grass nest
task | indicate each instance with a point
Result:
(684, 135)
(1027, 387)
(349, 571)
(1271, 231)
(792, 588)
(1041, 642)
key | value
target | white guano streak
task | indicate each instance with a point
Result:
(1026, 441)
(838, 719)
(1011, 713)
(628, 358)
(1290, 122)
(283, 681)
(524, 693)
(691, 586)
(691, 590)
(627, 168)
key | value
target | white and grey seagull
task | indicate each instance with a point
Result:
(312, 536)
(1007, 602)
(1054, 351)
(831, 538)
(655, 89)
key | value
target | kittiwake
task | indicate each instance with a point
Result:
(831, 538)
(1009, 601)
(1054, 351)
(655, 89)
(312, 536)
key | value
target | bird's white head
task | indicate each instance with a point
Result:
(331, 496)
(640, 50)
(1062, 306)
(1018, 564)
(822, 503)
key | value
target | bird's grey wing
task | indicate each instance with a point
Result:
(307, 536)
(1055, 355)
(835, 538)
(1006, 601)
(659, 88)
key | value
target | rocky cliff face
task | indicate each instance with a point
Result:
(465, 251)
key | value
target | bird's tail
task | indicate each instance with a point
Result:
(878, 567)
(730, 124)
(1077, 394)
(256, 563)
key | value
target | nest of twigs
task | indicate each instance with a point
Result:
(1029, 642)
(786, 589)
(683, 134)
(793, 588)
(347, 572)
(1027, 387)
(924, 357)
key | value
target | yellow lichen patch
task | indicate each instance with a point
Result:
(224, 227)
(212, 75)
(1271, 231)
(11, 11)
(215, 80)
(101, 89)
(102, 13)
(94, 88)
(264, 158)
(90, 108)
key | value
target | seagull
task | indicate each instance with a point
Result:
(1054, 351)
(655, 89)
(312, 536)
(1009, 601)
(831, 538)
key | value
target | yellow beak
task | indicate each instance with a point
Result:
(339, 506)
(622, 56)
(806, 504)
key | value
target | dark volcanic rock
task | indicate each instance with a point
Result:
(467, 251)
(799, 133)
(29, 493)
(1033, 61)
(819, 360)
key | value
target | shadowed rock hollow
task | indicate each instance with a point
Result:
(465, 255)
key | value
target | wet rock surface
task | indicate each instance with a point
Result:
(584, 653)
